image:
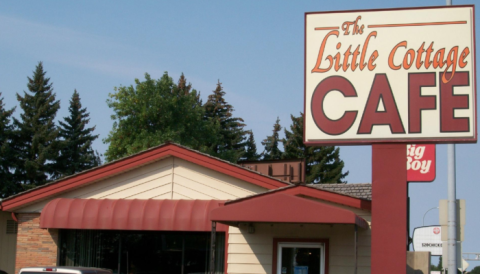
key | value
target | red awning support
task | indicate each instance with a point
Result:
(212, 247)
(355, 244)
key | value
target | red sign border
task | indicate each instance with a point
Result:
(425, 140)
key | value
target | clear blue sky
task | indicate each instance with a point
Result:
(255, 48)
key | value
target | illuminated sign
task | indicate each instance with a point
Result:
(400, 75)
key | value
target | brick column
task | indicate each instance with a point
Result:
(35, 246)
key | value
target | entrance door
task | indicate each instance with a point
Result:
(300, 258)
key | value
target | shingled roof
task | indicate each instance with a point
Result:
(363, 191)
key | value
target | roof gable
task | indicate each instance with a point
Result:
(316, 193)
(280, 207)
(128, 163)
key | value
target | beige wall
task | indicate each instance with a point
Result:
(418, 262)
(170, 178)
(8, 243)
(252, 253)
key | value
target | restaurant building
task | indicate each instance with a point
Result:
(162, 211)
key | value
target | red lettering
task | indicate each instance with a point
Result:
(380, 92)
(449, 102)
(417, 102)
(325, 124)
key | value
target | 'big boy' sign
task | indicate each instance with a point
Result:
(402, 75)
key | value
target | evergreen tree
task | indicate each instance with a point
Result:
(323, 164)
(8, 185)
(230, 143)
(272, 152)
(76, 153)
(250, 149)
(36, 138)
(156, 111)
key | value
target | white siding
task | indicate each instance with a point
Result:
(252, 253)
(8, 245)
(170, 178)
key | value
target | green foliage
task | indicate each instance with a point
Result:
(475, 270)
(323, 164)
(230, 142)
(35, 140)
(250, 149)
(154, 112)
(272, 152)
(8, 185)
(76, 153)
(437, 267)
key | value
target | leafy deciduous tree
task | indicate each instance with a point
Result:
(156, 111)
(475, 270)
(323, 164)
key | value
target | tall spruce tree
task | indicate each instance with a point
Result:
(156, 111)
(323, 164)
(250, 149)
(76, 153)
(230, 142)
(272, 152)
(8, 185)
(36, 135)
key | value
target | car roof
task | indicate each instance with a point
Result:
(64, 269)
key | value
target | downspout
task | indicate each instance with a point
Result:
(356, 249)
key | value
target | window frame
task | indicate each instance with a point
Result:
(278, 242)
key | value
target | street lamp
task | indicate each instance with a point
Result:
(423, 224)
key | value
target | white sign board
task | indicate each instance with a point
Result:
(428, 238)
(399, 75)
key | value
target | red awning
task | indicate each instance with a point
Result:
(284, 208)
(164, 215)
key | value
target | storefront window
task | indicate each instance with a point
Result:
(141, 252)
(300, 258)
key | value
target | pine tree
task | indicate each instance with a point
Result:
(323, 164)
(250, 149)
(76, 153)
(36, 138)
(230, 143)
(8, 185)
(272, 152)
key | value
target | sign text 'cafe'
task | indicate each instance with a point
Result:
(405, 75)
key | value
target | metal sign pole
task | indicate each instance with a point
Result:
(452, 199)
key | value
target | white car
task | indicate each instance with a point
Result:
(64, 270)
